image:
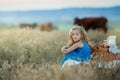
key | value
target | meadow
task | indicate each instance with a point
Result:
(36, 55)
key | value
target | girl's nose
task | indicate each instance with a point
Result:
(74, 36)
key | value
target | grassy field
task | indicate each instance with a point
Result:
(36, 55)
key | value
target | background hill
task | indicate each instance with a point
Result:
(61, 15)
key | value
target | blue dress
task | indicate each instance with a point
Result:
(81, 54)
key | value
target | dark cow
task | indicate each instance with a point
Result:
(92, 23)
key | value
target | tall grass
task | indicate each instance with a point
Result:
(36, 55)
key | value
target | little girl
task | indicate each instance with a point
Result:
(77, 50)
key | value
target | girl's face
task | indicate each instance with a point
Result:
(76, 35)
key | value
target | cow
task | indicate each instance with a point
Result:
(46, 27)
(92, 23)
(101, 52)
(104, 58)
(28, 26)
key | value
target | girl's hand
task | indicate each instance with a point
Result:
(64, 49)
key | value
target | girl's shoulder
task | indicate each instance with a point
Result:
(85, 42)
(81, 44)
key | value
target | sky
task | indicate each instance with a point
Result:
(8, 5)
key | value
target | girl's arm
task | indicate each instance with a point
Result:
(64, 49)
(73, 47)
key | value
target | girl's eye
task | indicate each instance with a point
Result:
(73, 34)
(77, 34)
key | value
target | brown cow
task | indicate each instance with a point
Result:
(46, 27)
(101, 52)
(92, 23)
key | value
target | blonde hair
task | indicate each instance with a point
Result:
(83, 34)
